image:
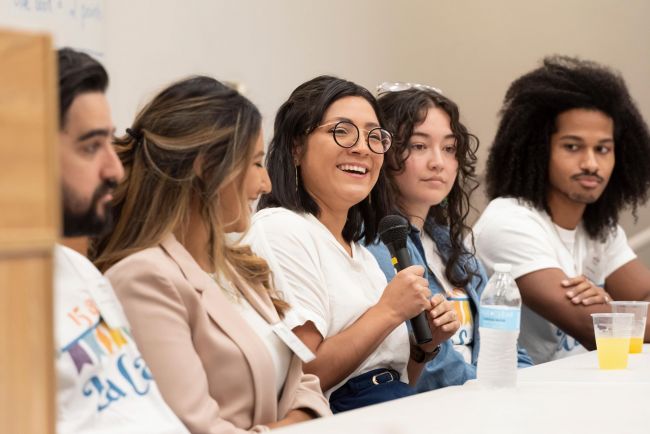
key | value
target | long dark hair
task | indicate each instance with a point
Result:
(302, 112)
(403, 111)
(518, 163)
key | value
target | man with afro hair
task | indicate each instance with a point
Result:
(570, 153)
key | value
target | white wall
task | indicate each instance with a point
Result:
(472, 49)
(269, 46)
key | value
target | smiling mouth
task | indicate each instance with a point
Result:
(353, 169)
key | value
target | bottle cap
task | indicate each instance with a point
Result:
(502, 268)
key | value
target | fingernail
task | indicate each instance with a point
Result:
(575, 299)
(569, 293)
(565, 282)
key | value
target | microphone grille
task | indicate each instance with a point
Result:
(393, 228)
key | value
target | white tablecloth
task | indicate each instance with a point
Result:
(566, 396)
(583, 368)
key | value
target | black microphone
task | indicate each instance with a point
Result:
(393, 230)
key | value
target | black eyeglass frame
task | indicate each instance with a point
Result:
(337, 123)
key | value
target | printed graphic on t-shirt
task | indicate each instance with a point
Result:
(460, 301)
(462, 339)
(565, 344)
(108, 366)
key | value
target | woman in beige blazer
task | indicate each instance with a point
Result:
(202, 309)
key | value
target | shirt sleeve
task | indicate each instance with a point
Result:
(293, 258)
(617, 252)
(517, 237)
(308, 395)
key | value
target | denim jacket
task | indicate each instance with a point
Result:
(448, 368)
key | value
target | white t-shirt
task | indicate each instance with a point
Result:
(463, 338)
(103, 384)
(323, 283)
(280, 353)
(518, 234)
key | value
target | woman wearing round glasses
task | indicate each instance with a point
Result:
(325, 162)
(430, 172)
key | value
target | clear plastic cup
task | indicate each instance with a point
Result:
(613, 331)
(640, 311)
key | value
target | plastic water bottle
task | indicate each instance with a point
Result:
(499, 317)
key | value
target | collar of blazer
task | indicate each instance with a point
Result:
(221, 311)
(202, 281)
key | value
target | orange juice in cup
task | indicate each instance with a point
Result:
(612, 331)
(612, 352)
(636, 345)
(640, 311)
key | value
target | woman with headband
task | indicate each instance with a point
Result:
(430, 172)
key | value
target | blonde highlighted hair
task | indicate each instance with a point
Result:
(194, 125)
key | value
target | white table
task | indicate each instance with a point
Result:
(584, 369)
(566, 396)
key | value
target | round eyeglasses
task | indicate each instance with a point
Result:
(346, 135)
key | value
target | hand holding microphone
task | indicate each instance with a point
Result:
(443, 321)
(407, 294)
(408, 291)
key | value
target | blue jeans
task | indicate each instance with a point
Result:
(373, 387)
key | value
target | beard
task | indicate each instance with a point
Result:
(87, 222)
(586, 197)
(583, 198)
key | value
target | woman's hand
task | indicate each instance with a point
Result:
(407, 294)
(582, 290)
(294, 416)
(442, 320)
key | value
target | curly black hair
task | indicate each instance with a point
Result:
(518, 162)
(402, 112)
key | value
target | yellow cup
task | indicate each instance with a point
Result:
(640, 311)
(636, 344)
(612, 332)
(612, 352)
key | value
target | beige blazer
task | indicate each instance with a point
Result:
(210, 365)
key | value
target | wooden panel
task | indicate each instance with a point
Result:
(29, 221)
(29, 193)
(26, 350)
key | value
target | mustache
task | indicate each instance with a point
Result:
(106, 187)
(585, 174)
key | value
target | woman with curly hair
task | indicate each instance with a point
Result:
(571, 152)
(431, 174)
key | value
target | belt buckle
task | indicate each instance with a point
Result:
(375, 378)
